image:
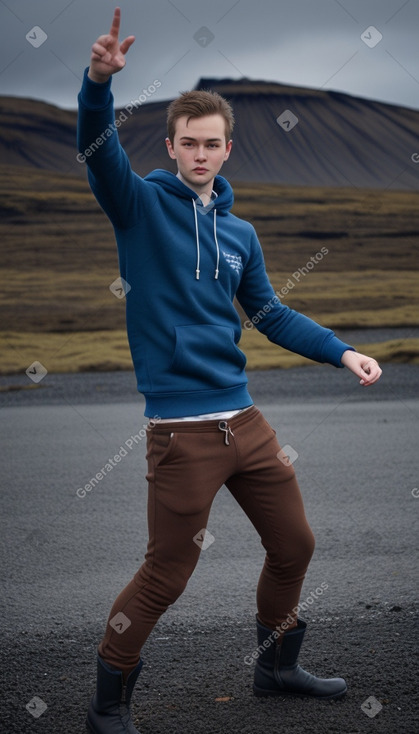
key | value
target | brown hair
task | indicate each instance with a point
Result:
(199, 103)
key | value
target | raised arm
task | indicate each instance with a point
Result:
(121, 193)
(108, 54)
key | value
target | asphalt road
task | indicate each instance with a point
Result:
(65, 557)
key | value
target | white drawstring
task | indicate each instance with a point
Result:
(198, 254)
(198, 251)
(216, 244)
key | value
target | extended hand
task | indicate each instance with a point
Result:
(364, 367)
(108, 55)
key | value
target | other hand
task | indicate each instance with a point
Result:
(362, 366)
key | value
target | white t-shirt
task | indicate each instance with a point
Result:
(224, 415)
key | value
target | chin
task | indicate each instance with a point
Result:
(201, 181)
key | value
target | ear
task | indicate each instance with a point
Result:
(228, 149)
(170, 150)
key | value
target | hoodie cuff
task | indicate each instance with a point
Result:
(335, 350)
(95, 95)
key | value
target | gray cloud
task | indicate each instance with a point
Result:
(300, 42)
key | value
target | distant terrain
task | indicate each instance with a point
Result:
(59, 258)
(339, 140)
(342, 179)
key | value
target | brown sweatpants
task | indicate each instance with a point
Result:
(187, 464)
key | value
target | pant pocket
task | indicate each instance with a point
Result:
(161, 448)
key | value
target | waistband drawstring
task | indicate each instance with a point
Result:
(223, 426)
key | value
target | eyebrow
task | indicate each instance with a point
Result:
(208, 140)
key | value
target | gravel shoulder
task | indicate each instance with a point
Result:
(65, 558)
(296, 384)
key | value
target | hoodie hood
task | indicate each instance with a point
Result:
(220, 204)
(173, 185)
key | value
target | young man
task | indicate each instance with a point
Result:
(185, 257)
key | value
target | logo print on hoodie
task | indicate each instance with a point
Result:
(234, 261)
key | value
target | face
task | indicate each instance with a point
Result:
(200, 149)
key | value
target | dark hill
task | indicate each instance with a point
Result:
(339, 140)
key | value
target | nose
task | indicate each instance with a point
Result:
(200, 153)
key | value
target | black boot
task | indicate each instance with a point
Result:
(277, 672)
(109, 708)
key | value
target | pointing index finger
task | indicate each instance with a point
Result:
(116, 22)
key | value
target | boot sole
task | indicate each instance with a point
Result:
(264, 692)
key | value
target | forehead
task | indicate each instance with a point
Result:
(210, 126)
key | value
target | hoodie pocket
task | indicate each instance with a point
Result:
(207, 355)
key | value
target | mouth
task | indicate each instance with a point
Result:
(200, 170)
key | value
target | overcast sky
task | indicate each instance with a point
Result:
(368, 48)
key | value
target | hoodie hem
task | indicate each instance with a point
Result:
(178, 405)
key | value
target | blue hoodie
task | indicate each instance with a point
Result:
(184, 263)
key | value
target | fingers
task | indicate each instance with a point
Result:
(99, 47)
(371, 372)
(116, 22)
(107, 55)
(100, 53)
(366, 368)
(126, 44)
